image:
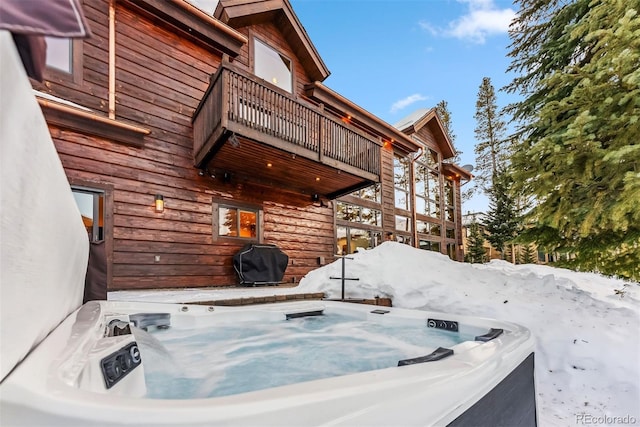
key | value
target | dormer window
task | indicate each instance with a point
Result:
(272, 66)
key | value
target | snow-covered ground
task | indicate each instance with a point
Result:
(587, 326)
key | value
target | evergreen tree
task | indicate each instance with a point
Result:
(475, 244)
(491, 153)
(578, 155)
(503, 219)
(442, 108)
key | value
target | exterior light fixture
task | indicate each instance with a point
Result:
(159, 203)
(269, 165)
(317, 178)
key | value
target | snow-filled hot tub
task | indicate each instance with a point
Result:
(450, 370)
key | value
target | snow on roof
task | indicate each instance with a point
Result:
(411, 118)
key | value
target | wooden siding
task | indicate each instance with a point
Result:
(160, 79)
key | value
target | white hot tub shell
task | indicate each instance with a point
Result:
(61, 382)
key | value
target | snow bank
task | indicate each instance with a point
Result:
(587, 326)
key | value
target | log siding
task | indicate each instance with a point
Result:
(161, 76)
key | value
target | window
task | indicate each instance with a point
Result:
(427, 186)
(64, 59)
(428, 245)
(371, 193)
(92, 207)
(452, 251)
(451, 233)
(60, 54)
(272, 66)
(403, 223)
(361, 214)
(349, 239)
(237, 222)
(401, 182)
(449, 200)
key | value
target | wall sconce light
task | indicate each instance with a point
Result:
(159, 203)
(315, 197)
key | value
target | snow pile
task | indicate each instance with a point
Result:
(587, 326)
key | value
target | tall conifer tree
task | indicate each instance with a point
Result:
(445, 115)
(578, 156)
(503, 219)
(475, 247)
(490, 131)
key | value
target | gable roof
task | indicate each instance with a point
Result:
(241, 13)
(428, 117)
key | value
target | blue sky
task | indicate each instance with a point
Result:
(392, 57)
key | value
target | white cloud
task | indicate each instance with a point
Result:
(405, 102)
(482, 19)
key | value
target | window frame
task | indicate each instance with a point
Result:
(252, 57)
(215, 221)
(106, 190)
(407, 189)
(76, 75)
(375, 237)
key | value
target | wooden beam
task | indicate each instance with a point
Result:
(194, 24)
(90, 123)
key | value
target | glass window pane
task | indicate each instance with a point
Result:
(435, 230)
(402, 223)
(451, 233)
(422, 227)
(421, 206)
(360, 239)
(434, 188)
(341, 211)
(91, 205)
(449, 214)
(402, 199)
(368, 216)
(341, 240)
(434, 209)
(401, 173)
(248, 224)
(271, 66)
(59, 53)
(448, 192)
(420, 187)
(228, 222)
(371, 193)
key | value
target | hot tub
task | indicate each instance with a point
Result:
(450, 370)
(68, 364)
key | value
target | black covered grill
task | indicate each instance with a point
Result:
(260, 264)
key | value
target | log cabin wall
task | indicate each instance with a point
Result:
(160, 79)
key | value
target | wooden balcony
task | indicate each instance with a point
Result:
(256, 132)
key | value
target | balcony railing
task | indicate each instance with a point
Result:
(240, 103)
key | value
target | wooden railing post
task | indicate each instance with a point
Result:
(321, 133)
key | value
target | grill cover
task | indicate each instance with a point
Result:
(260, 264)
